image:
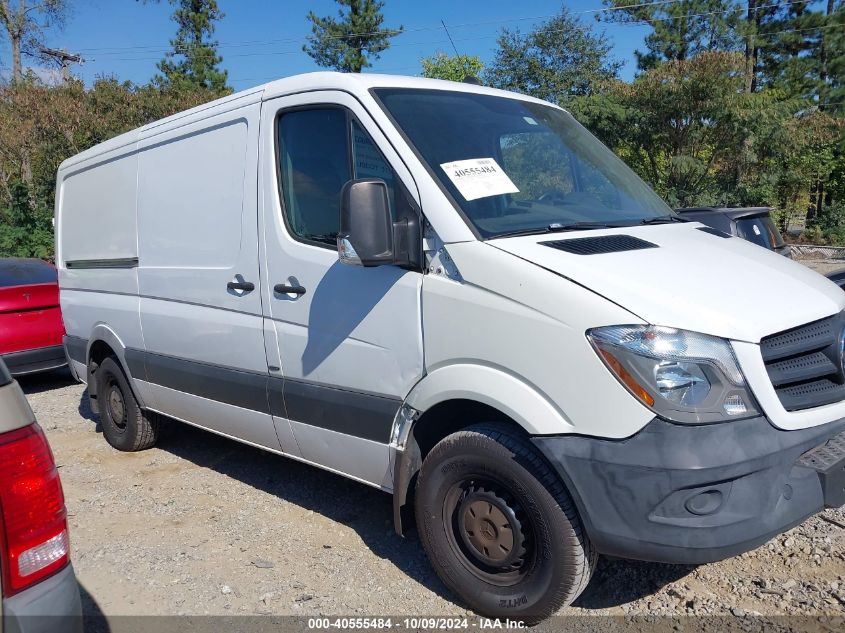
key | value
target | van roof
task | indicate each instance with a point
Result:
(348, 82)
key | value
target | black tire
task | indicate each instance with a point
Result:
(471, 484)
(125, 425)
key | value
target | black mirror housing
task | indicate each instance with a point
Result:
(366, 226)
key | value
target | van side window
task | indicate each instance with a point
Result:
(314, 162)
(321, 149)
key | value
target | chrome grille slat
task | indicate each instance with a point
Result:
(805, 364)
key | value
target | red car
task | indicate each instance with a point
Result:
(31, 327)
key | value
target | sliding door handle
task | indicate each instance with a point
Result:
(284, 289)
(246, 286)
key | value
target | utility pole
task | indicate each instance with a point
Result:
(64, 59)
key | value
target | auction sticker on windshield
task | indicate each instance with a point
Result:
(479, 178)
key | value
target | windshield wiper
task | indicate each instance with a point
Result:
(328, 238)
(663, 219)
(562, 228)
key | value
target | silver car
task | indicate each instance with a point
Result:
(39, 589)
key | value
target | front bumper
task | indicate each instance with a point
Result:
(51, 606)
(32, 360)
(695, 494)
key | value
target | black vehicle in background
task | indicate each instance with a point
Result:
(754, 224)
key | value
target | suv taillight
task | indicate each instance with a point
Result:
(33, 539)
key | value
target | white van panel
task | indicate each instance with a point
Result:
(83, 311)
(197, 332)
(198, 230)
(191, 197)
(359, 458)
(97, 213)
(531, 324)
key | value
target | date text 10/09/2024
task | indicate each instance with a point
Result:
(414, 624)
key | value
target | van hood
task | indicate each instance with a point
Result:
(690, 279)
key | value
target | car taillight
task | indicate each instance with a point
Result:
(33, 539)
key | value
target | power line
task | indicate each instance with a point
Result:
(450, 37)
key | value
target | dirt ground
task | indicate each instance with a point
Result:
(204, 525)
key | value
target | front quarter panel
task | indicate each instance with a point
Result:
(512, 335)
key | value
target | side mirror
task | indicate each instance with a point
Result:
(366, 227)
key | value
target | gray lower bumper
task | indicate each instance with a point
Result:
(51, 606)
(691, 494)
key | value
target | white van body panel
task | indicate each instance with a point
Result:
(693, 280)
(100, 198)
(520, 331)
(198, 231)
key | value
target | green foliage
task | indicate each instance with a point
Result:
(40, 126)
(451, 67)
(25, 231)
(680, 30)
(690, 130)
(803, 51)
(561, 58)
(348, 43)
(194, 63)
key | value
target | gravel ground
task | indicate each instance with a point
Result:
(203, 525)
(823, 265)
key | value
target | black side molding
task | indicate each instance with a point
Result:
(76, 348)
(364, 415)
(117, 262)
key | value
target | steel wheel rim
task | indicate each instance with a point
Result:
(488, 531)
(116, 406)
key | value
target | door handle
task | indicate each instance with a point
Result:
(283, 289)
(246, 286)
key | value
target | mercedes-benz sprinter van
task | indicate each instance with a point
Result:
(459, 296)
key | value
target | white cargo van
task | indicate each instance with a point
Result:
(459, 296)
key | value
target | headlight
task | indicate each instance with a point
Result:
(682, 376)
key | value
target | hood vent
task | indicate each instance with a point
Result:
(712, 231)
(600, 245)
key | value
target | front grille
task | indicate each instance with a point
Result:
(805, 363)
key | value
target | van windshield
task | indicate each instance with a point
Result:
(517, 167)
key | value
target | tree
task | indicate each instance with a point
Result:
(681, 29)
(451, 68)
(561, 58)
(194, 63)
(25, 22)
(348, 43)
(804, 54)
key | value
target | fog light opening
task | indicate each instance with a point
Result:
(704, 503)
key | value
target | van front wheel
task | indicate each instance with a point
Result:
(125, 425)
(499, 527)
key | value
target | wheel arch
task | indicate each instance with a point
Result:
(102, 343)
(455, 397)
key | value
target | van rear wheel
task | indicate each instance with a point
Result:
(499, 527)
(126, 426)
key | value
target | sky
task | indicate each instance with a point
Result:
(261, 40)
